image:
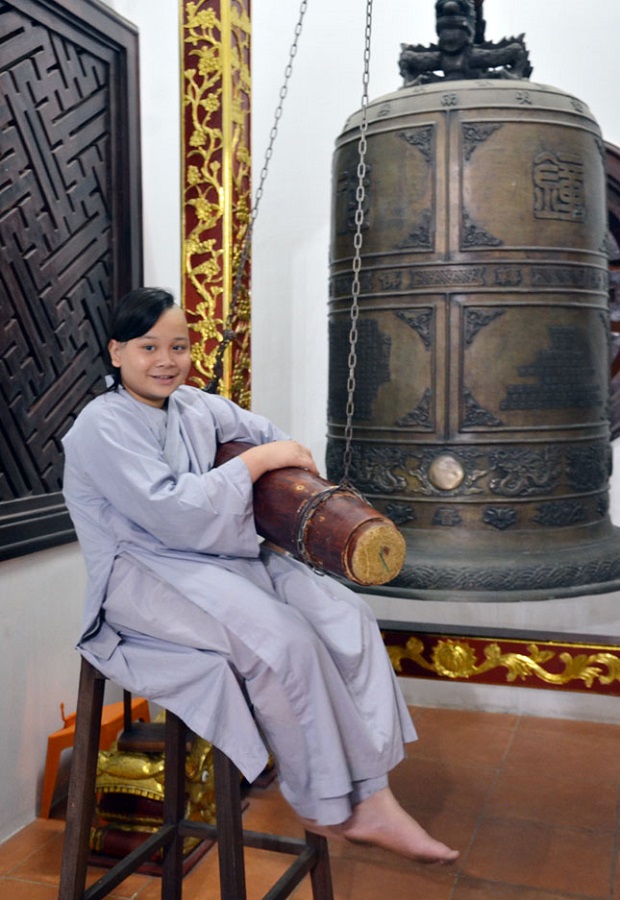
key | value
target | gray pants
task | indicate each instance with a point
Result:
(317, 676)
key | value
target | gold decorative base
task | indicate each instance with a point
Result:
(523, 659)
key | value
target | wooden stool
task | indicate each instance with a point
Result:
(113, 718)
(312, 856)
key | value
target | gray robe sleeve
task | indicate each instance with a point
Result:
(208, 511)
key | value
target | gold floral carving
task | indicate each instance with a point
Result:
(216, 187)
(458, 659)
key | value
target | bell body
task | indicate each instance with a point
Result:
(482, 374)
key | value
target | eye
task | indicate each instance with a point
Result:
(181, 348)
(148, 347)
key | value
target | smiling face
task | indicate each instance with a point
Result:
(153, 365)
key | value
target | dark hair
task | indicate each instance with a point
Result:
(135, 314)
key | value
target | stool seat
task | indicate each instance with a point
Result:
(112, 721)
(310, 856)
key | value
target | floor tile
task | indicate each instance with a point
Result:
(29, 840)
(465, 717)
(373, 882)
(471, 889)
(262, 871)
(529, 855)
(478, 743)
(435, 785)
(12, 889)
(566, 802)
(475, 739)
(587, 750)
(616, 870)
(43, 867)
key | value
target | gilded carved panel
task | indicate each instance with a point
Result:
(216, 189)
(535, 660)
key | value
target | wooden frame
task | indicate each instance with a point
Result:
(70, 232)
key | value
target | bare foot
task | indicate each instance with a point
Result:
(382, 822)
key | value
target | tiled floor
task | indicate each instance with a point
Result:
(531, 803)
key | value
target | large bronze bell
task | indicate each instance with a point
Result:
(482, 380)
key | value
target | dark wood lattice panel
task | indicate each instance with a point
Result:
(69, 239)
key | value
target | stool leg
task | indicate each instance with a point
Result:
(127, 711)
(174, 805)
(320, 875)
(52, 761)
(229, 827)
(81, 801)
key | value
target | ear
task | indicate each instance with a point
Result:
(113, 349)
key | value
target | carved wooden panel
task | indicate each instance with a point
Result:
(69, 238)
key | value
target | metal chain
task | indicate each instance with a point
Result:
(229, 334)
(360, 196)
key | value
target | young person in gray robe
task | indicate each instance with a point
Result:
(183, 599)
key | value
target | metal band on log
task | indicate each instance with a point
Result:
(329, 527)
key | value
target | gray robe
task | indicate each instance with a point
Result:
(182, 599)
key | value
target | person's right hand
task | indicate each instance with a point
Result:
(277, 455)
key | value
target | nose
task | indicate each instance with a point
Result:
(165, 358)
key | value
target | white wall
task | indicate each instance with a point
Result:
(41, 594)
(40, 612)
(157, 22)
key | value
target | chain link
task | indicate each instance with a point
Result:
(229, 334)
(360, 197)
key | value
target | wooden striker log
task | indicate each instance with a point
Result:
(329, 527)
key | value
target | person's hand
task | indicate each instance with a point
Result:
(278, 455)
